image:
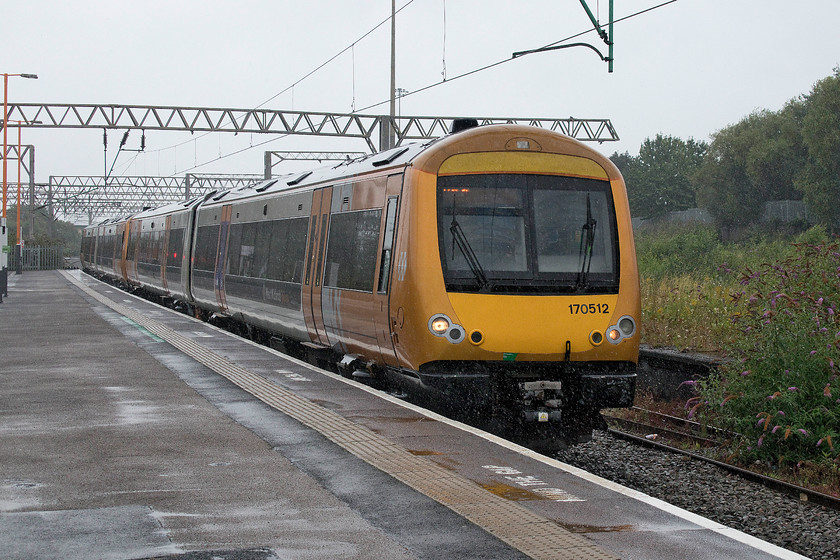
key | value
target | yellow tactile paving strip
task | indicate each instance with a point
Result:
(524, 530)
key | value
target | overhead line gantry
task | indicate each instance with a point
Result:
(270, 121)
(108, 196)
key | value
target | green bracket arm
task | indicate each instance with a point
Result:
(607, 37)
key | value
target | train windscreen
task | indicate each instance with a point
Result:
(516, 233)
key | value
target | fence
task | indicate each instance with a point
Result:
(37, 258)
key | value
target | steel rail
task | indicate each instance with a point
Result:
(790, 489)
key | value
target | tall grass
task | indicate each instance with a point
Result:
(687, 278)
(771, 306)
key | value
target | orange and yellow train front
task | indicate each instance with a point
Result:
(518, 286)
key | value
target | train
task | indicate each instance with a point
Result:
(491, 271)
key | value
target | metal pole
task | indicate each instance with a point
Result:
(31, 191)
(391, 135)
(19, 244)
(50, 208)
(4, 234)
(612, 38)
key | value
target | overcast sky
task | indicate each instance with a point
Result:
(686, 69)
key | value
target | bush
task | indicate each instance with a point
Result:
(781, 393)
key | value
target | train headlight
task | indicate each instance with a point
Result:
(441, 325)
(627, 326)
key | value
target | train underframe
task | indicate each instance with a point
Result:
(538, 403)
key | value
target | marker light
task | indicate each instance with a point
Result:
(613, 334)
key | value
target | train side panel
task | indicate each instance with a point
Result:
(249, 260)
(357, 267)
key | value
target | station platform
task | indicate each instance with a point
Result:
(129, 431)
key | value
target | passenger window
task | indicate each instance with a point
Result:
(352, 250)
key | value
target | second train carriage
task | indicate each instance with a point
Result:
(493, 269)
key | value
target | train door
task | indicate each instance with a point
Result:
(164, 254)
(221, 257)
(119, 253)
(132, 231)
(318, 228)
(382, 295)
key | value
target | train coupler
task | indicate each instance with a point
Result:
(541, 400)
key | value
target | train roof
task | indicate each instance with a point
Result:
(395, 158)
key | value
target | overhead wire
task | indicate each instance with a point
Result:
(512, 58)
(445, 80)
(292, 86)
(351, 46)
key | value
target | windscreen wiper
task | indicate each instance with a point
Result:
(458, 238)
(587, 242)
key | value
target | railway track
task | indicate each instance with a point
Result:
(658, 435)
(662, 373)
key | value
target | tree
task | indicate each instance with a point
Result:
(723, 184)
(63, 234)
(750, 163)
(661, 176)
(819, 181)
(777, 153)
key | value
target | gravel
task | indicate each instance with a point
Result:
(808, 529)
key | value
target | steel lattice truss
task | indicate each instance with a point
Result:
(92, 198)
(268, 121)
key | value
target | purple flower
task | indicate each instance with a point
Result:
(792, 389)
(813, 352)
(781, 413)
(745, 373)
(803, 432)
(819, 442)
(760, 440)
(774, 429)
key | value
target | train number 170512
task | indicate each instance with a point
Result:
(586, 309)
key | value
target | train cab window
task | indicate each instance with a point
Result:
(518, 233)
(565, 220)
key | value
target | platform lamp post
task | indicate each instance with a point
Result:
(19, 244)
(4, 233)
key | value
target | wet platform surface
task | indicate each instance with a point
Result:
(129, 431)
